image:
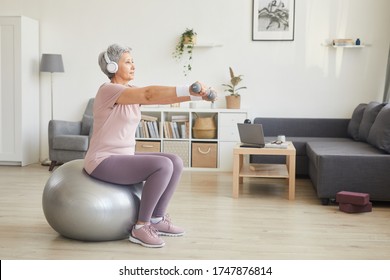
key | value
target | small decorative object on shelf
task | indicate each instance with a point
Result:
(233, 100)
(357, 43)
(185, 47)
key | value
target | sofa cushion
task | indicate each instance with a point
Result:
(341, 148)
(368, 119)
(379, 135)
(304, 127)
(354, 123)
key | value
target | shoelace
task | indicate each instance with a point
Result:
(150, 230)
(167, 220)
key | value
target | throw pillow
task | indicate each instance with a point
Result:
(354, 123)
(86, 124)
(379, 135)
(368, 119)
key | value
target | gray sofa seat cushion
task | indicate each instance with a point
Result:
(71, 142)
(347, 148)
(368, 119)
(379, 135)
(356, 119)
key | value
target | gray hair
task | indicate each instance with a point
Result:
(114, 53)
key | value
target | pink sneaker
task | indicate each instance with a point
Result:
(165, 227)
(146, 236)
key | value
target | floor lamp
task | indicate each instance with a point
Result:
(52, 63)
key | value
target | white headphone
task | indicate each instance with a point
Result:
(112, 67)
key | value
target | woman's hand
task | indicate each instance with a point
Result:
(200, 90)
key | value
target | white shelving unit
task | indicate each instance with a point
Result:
(226, 133)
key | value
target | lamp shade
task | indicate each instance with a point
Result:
(51, 63)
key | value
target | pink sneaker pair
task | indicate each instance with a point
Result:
(148, 235)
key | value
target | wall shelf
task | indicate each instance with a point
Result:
(346, 46)
(206, 45)
(350, 47)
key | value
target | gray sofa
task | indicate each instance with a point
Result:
(338, 154)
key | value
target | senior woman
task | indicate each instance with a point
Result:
(111, 155)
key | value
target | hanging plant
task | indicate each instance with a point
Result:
(184, 49)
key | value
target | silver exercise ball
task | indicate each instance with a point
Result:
(80, 207)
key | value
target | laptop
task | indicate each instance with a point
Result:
(251, 135)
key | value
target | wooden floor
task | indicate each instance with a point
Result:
(260, 224)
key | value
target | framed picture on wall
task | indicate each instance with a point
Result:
(273, 20)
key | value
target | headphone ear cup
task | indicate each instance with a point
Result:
(112, 67)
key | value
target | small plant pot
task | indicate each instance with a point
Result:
(233, 102)
(190, 40)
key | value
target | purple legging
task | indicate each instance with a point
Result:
(160, 171)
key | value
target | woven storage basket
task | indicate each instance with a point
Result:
(204, 127)
(204, 155)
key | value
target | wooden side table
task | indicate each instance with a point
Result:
(241, 169)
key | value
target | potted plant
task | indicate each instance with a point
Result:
(233, 99)
(184, 47)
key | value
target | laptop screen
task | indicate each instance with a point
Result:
(251, 134)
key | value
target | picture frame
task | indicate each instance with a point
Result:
(273, 20)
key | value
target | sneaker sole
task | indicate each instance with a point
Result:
(137, 241)
(161, 233)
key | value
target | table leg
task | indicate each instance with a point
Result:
(240, 179)
(237, 162)
(291, 177)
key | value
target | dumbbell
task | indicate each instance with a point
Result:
(210, 93)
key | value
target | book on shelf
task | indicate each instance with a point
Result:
(151, 131)
(148, 118)
(167, 130)
(180, 118)
(343, 42)
(176, 130)
(148, 129)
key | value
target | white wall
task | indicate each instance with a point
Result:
(301, 78)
